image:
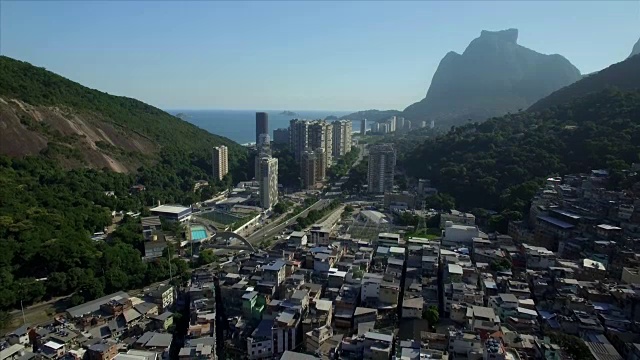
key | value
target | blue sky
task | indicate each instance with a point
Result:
(303, 55)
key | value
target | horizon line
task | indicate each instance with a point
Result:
(258, 110)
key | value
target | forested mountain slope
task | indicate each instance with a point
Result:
(624, 75)
(44, 113)
(68, 157)
(499, 164)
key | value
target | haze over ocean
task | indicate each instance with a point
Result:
(240, 125)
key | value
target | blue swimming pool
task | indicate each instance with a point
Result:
(198, 233)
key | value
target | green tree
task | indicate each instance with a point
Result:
(279, 208)
(573, 345)
(500, 265)
(206, 257)
(432, 315)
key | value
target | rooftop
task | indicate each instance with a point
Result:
(53, 345)
(160, 340)
(389, 236)
(275, 266)
(508, 298)
(292, 355)
(249, 295)
(588, 263)
(455, 269)
(396, 250)
(170, 209)
(364, 310)
(608, 227)
(555, 222)
(374, 216)
(231, 201)
(378, 336)
(484, 312)
(94, 305)
(323, 305)
(151, 221)
(263, 329)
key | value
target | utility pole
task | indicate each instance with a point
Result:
(24, 319)
(169, 256)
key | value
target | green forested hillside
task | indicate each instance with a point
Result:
(49, 206)
(499, 164)
(624, 76)
(173, 138)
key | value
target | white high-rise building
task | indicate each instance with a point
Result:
(268, 181)
(342, 131)
(382, 162)
(263, 148)
(220, 161)
(392, 124)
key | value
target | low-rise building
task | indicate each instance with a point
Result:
(162, 295)
(455, 235)
(103, 350)
(457, 217)
(260, 343)
(320, 236)
(172, 212)
(297, 239)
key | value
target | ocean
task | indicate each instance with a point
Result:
(240, 125)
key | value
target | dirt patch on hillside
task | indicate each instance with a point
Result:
(28, 130)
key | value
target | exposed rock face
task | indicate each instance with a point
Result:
(636, 49)
(493, 76)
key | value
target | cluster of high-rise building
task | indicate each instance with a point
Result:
(390, 125)
(315, 143)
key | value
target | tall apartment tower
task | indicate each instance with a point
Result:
(263, 147)
(321, 137)
(281, 136)
(268, 181)
(342, 131)
(298, 137)
(363, 127)
(321, 165)
(308, 169)
(312, 167)
(262, 124)
(382, 162)
(220, 161)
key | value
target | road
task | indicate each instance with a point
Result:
(267, 232)
(360, 155)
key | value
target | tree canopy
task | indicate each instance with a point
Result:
(501, 163)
